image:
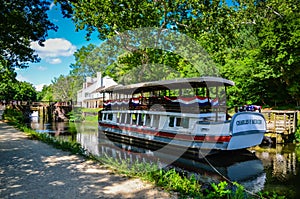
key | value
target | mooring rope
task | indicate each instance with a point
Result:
(231, 182)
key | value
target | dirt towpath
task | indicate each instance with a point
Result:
(32, 169)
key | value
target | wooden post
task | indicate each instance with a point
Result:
(284, 121)
(44, 113)
(275, 115)
(290, 123)
(295, 121)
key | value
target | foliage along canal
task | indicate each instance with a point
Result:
(262, 168)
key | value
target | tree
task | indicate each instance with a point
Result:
(128, 67)
(280, 47)
(45, 94)
(65, 88)
(7, 82)
(264, 62)
(24, 91)
(255, 43)
(116, 19)
(11, 89)
(87, 62)
(22, 22)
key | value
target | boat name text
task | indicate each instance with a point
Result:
(249, 121)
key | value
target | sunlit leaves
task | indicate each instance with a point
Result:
(24, 92)
(255, 43)
(46, 94)
(11, 89)
(65, 88)
(265, 60)
(21, 23)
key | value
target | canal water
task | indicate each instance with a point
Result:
(275, 168)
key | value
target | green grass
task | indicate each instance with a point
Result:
(91, 110)
(91, 118)
(78, 115)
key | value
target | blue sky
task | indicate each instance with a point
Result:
(57, 55)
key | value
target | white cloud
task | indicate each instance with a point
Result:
(21, 78)
(39, 87)
(53, 61)
(53, 48)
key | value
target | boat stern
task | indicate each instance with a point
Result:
(247, 130)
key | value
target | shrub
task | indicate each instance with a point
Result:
(297, 133)
(13, 115)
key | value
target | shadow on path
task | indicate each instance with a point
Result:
(32, 169)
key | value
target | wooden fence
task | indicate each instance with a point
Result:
(281, 124)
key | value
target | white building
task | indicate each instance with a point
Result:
(88, 97)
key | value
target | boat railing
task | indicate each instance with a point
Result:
(133, 116)
(173, 104)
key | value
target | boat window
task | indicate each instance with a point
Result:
(155, 121)
(174, 93)
(133, 118)
(127, 118)
(171, 121)
(188, 92)
(122, 120)
(178, 122)
(222, 96)
(141, 119)
(213, 92)
(110, 116)
(162, 93)
(117, 116)
(185, 122)
(119, 119)
(201, 91)
(148, 120)
(144, 100)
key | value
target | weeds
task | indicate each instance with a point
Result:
(71, 146)
(75, 115)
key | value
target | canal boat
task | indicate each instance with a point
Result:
(190, 113)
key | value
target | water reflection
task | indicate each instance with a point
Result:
(266, 169)
(242, 167)
(281, 164)
(87, 136)
(54, 128)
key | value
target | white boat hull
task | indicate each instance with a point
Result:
(242, 131)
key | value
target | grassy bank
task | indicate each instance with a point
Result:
(84, 114)
(170, 180)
